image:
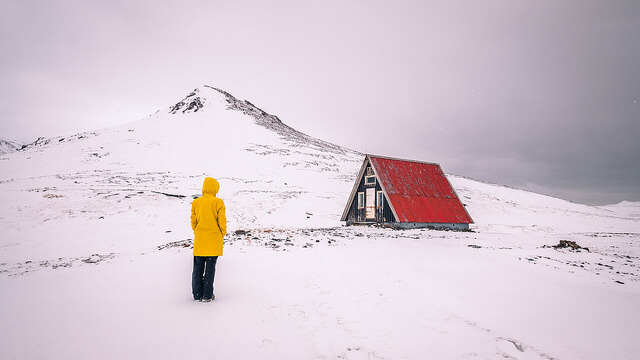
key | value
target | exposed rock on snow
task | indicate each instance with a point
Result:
(191, 103)
(42, 142)
(563, 244)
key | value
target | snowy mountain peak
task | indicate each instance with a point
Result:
(190, 104)
(201, 98)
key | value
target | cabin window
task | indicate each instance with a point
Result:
(369, 176)
(370, 180)
(379, 199)
(360, 200)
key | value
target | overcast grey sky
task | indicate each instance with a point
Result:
(541, 95)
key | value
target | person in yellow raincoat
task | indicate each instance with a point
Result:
(209, 225)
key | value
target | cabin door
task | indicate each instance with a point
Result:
(371, 203)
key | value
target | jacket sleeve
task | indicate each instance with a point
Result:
(222, 218)
(194, 219)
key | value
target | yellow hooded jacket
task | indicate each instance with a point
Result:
(208, 220)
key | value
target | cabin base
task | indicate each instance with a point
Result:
(407, 225)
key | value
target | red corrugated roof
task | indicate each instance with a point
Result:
(419, 192)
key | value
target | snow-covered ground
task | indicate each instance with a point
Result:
(95, 259)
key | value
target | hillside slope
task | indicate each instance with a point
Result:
(146, 173)
(96, 259)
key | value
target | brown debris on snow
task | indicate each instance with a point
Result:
(563, 244)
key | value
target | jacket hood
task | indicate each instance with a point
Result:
(210, 186)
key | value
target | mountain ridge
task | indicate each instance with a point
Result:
(196, 101)
(8, 146)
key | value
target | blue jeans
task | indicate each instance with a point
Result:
(204, 270)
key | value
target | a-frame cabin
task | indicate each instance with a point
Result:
(404, 194)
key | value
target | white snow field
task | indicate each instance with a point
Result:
(95, 258)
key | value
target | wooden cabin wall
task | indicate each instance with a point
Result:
(355, 215)
(386, 215)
